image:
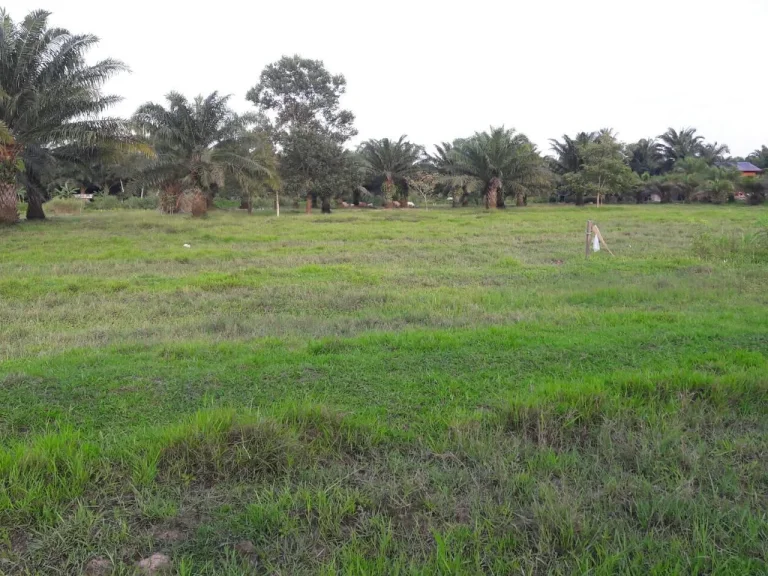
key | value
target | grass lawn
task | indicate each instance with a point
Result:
(386, 392)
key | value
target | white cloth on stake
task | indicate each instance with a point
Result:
(595, 243)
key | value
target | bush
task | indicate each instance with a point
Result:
(735, 247)
(229, 204)
(146, 203)
(62, 206)
(105, 203)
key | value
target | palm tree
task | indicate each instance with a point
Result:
(568, 155)
(755, 188)
(645, 157)
(50, 104)
(443, 161)
(676, 145)
(392, 160)
(713, 152)
(718, 189)
(500, 160)
(198, 143)
(759, 158)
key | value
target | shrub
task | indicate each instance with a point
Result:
(146, 203)
(61, 206)
(104, 203)
(228, 204)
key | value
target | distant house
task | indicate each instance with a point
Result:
(746, 168)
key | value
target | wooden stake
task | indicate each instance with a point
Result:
(589, 237)
(600, 238)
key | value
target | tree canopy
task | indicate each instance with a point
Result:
(297, 92)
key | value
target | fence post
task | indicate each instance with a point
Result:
(589, 237)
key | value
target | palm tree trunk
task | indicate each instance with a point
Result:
(387, 192)
(326, 205)
(519, 199)
(500, 199)
(34, 205)
(308, 208)
(491, 192)
(9, 213)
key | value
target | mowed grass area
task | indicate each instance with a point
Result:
(386, 392)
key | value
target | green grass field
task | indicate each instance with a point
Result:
(376, 392)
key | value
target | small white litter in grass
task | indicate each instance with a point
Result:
(187, 245)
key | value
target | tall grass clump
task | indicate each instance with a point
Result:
(65, 206)
(737, 246)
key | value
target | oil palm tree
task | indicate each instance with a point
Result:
(713, 152)
(567, 156)
(51, 104)
(759, 158)
(197, 143)
(676, 145)
(645, 157)
(718, 189)
(443, 162)
(499, 161)
(394, 161)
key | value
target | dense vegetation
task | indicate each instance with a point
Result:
(55, 141)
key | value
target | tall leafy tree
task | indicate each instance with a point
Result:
(394, 161)
(567, 158)
(604, 170)
(300, 103)
(313, 164)
(500, 161)
(297, 92)
(198, 143)
(51, 104)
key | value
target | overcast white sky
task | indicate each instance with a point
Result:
(437, 70)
